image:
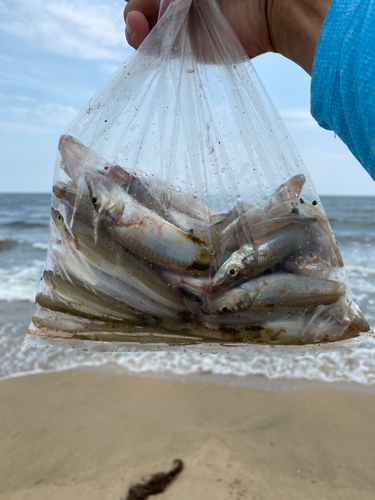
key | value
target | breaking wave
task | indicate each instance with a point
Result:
(19, 224)
(19, 283)
(350, 365)
(7, 244)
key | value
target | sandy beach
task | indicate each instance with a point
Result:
(81, 435)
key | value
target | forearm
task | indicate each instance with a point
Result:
(295, 26)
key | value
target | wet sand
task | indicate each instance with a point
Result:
(81, 435)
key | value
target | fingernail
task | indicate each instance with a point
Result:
(128, 29)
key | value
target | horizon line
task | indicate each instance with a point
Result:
(332, 195)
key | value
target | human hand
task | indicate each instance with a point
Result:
(247, 18)
(289, 27)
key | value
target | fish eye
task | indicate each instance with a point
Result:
(94, 199)
(225, 309)
(233, 272)
(59, 217)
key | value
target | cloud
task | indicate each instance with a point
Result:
(55, 114)
(18, 110)
(42, 119)
(80, 29)
(23, 128)
(17, 97)
(16, 80)
(299, 118)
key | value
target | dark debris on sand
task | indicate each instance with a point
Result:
(156, 484)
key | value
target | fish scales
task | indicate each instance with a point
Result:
(162, 197)
(163, 245)
(255, 317)
(93, 299)
(146, 282)
(262, 254)
(142, 231)
(127, 268)
(299, 293)
(232, 230)
(135, 187)
(64, 296)
(268, 293)
(271, 252)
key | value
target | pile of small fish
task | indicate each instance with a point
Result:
(135, 257)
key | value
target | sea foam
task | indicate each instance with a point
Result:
(19, 283)
(355, 364)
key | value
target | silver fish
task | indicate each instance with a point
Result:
(307, 265)
(357, 320)
(214, 219)
(76, 306)
(327, 242)
(175, 198)
(193, 288)
(152, 192)
(305, 292)
(263, 253)
(61, 324)
(157, 195)
(66, 191)
(235, 231)
(146, 291)
(283, 291)
(185, 222)
(232, 231)
(289, 191)
(77, 208)
(338, 321)
(261, 317)
(133, 185)
(50, 324)
(144, 232)
(75, 156)
(326, 245)
(269, 226)
(87, 300)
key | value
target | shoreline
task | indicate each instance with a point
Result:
(253, 381)
(82, 434)
(281, 367)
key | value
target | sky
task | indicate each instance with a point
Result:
(56, 54)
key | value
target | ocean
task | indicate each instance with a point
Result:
(24, 220)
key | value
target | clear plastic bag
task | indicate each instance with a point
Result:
(182, 212)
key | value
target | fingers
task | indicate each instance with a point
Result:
(137, 28)
(140, 17)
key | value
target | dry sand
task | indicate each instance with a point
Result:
(76, 435)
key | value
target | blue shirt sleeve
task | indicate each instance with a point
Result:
(343, 77)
